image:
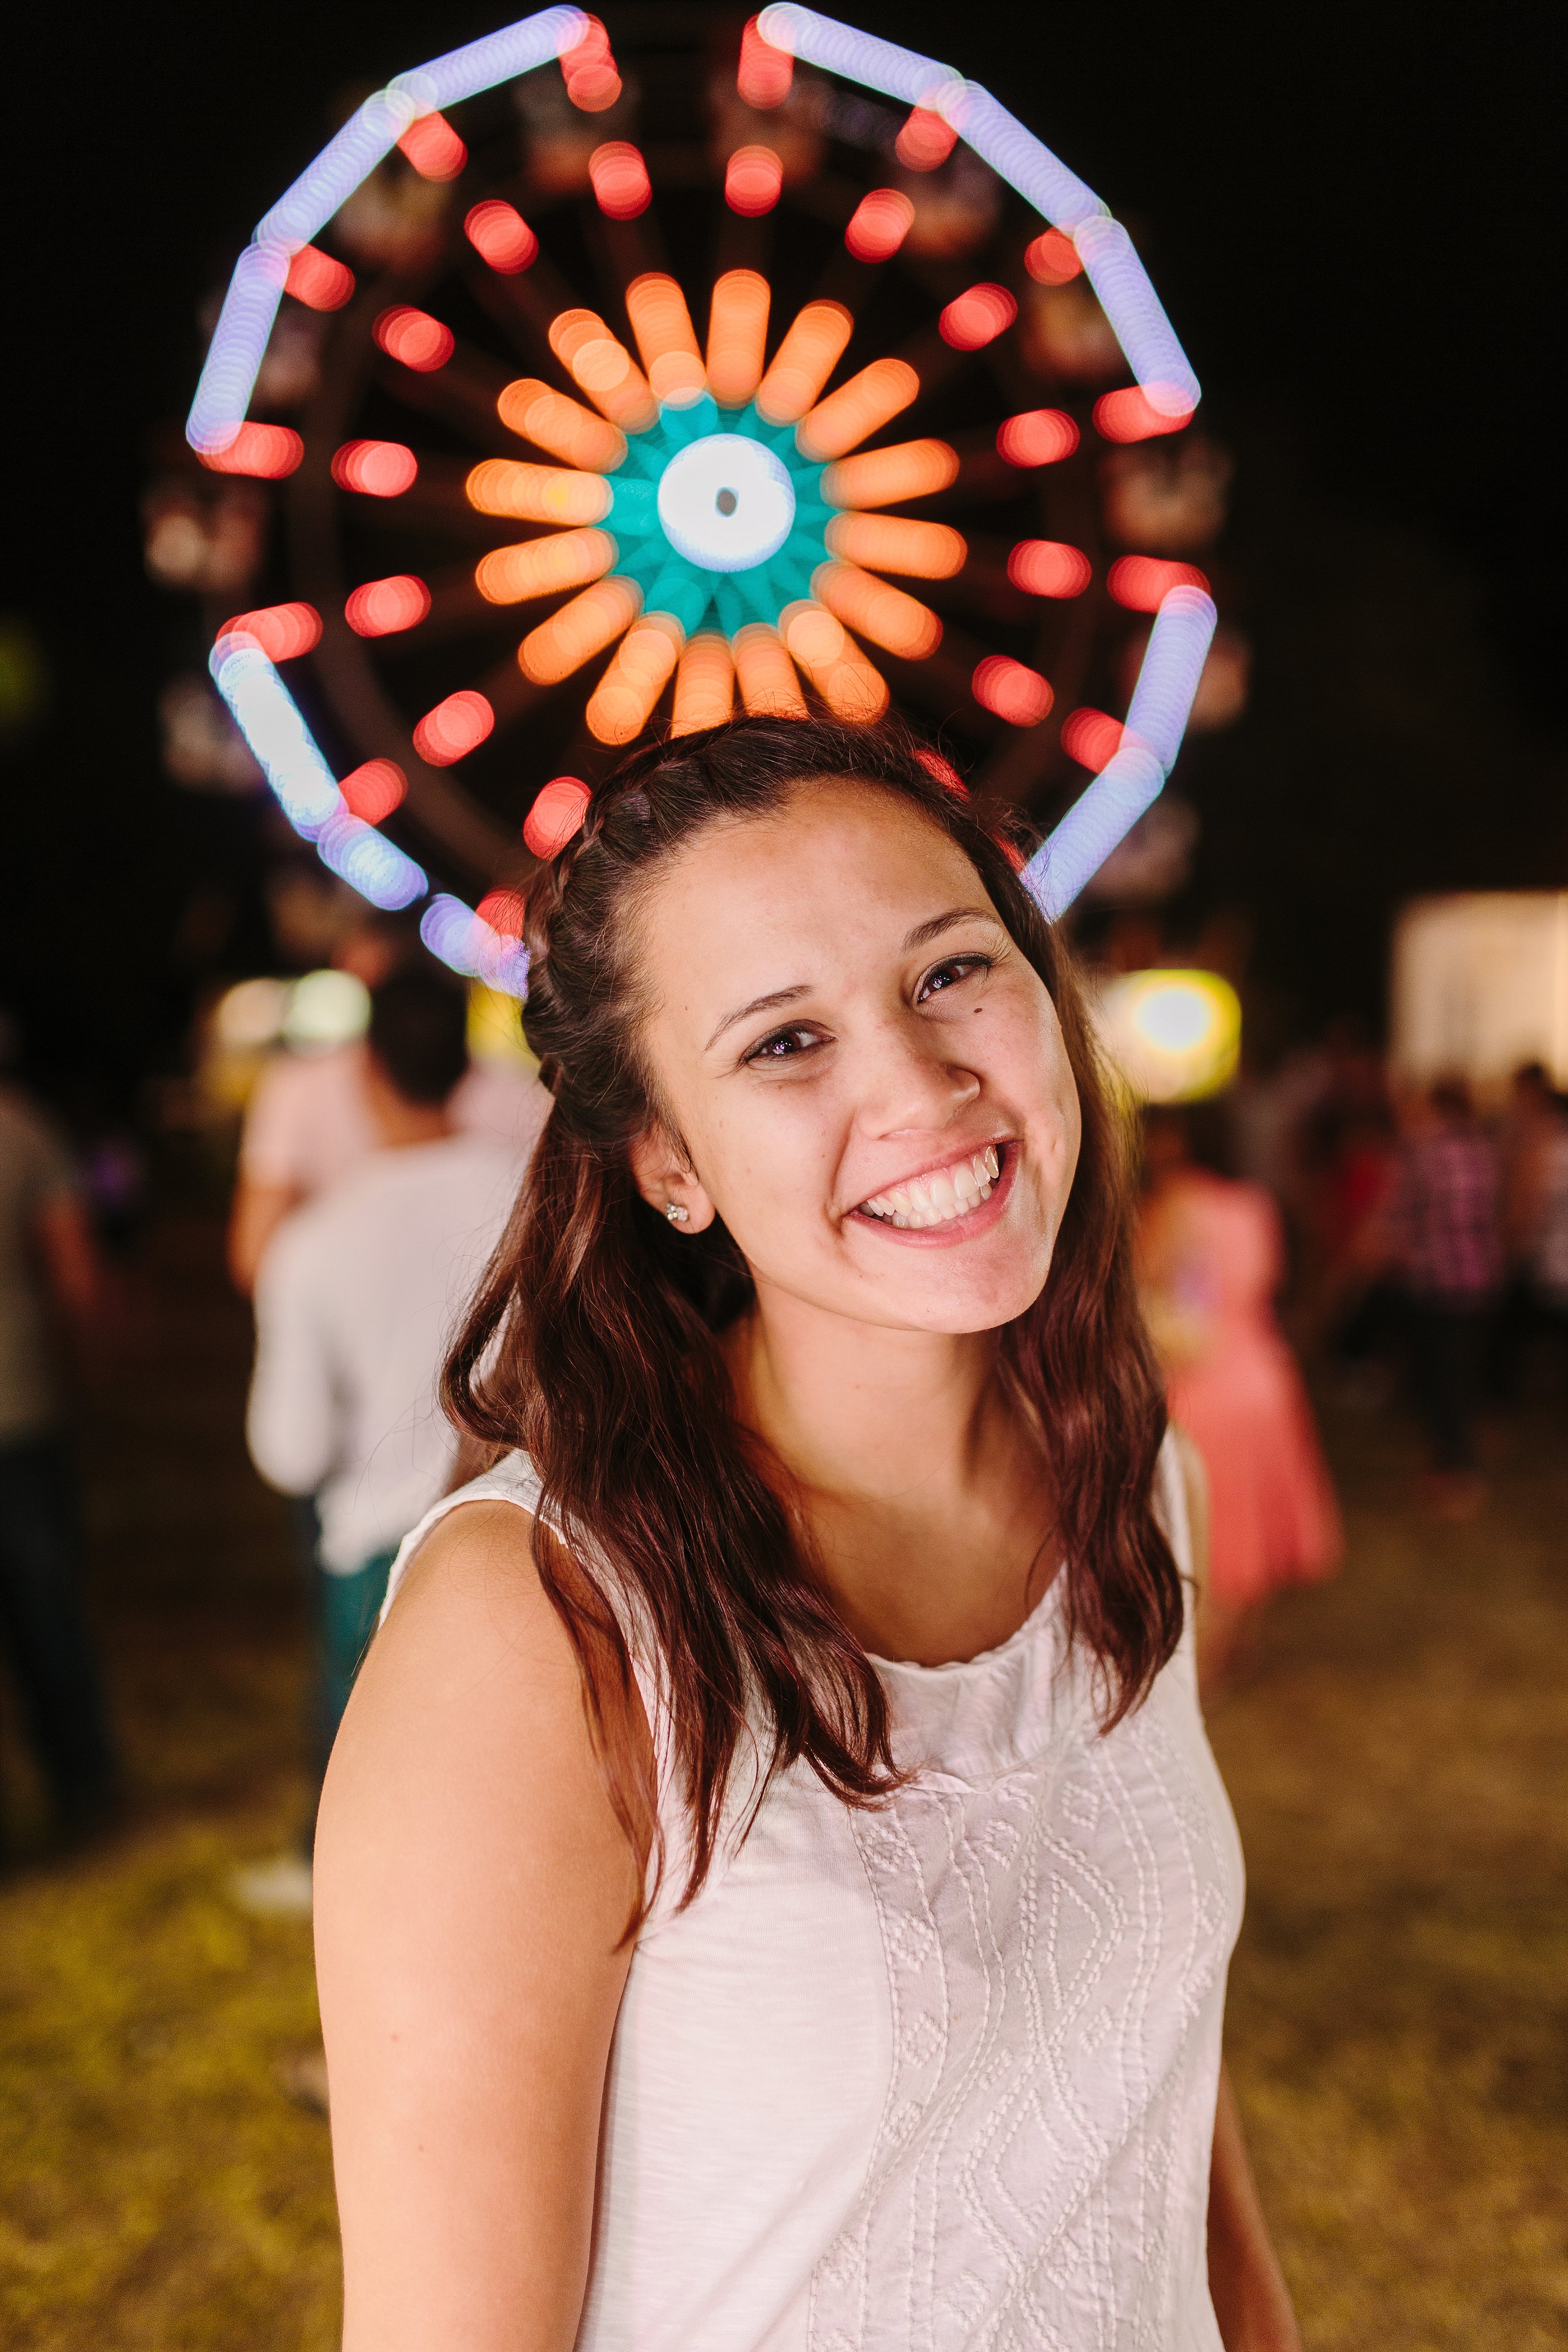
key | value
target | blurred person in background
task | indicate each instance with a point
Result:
(357, 1297)
(49, 1274)
(1526, 1141)
(1445, 1244)
(311, 1118)
(1210, 1261)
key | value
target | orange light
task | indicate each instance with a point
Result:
(1131, 415)
(282, 631)
(591, 81)
(1020, 696)
(414, 338)
(623, 702)
(753, 181)
(921, 551)
(877, 610)
(1091, 737)
(976, 319)
(433, 148)
(1048, 567)
(765, 674)
(543, 567)
(924, 142)
(579, 630)
(1052, 258)
(886, 477)
(536, 412)
(374, 791)
(1143, 582)
(666, 337)
(319, 281)
(381, 607)
(268, 452)
(559, 808)
(804, 362)
(833, 662)
(764, 73)
(946, 774)
(857, 409)
(500, 234)
(704, 685)
(737, 336)
(453, 729)
(604, 368)
(1041, 436)
(879, 224)
(621, 185)
(503, 486)
(506, 910)
(378, 469)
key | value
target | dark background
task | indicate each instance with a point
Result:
(1351, 214)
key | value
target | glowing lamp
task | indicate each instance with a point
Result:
(317, 280)
(622, 188)
(804, 362)
(283, 631)
(558, 811)
(552, 421)
(605, 369)
(504, 910)
(375, 790)
(500, 234)
(1052, 259)
(382, 607)
(946, 774)
(268, 452)
(922, 550)
(579, 630)
(839, 671)
(765, 674)
(1048, 567)
(1040, 436)
(763, 76)
(666, 339)
(879, 224)
(886, 477)
(924, 142)
(378, 469)
(453, 729)
(737, 335)
(753, 181)
(1143, 582)
(589, 69)
(1175, 1035)
(1091, 737)
(433, 148)
(414, 338)
(976, 319)
(857, 409)
(704, 685)
(899, 622)
(726, 502)
(325, 1008)
(624, 700)
(543, 567)
(1132, 416)
(1015, 693)
(501, 485)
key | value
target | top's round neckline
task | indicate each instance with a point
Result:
(1048, 1604)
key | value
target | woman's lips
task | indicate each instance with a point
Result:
(953, 1230)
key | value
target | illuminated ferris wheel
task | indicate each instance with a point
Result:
(794, 453)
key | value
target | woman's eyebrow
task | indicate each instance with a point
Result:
(757, 1004)
(925, 932)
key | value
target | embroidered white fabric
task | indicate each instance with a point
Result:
(938, 2077)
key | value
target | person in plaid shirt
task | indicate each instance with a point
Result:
(1447, 1244)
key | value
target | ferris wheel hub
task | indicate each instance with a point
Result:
(726, 502)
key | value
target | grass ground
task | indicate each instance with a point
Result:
(1399, 2011)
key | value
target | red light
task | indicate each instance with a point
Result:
(946, 774)
(499, 232)
(753, 181)
(977, 318)
(879, 224)
(319, 281)
(453, 728)
(382, 607)
(591, 81)
(924, 142)
(282, 631)
(1048, 567)
(1091, 737)
(1039, 437)
(764, 73)
(1052, 258)
(433, 148)
(374, 791)
(267, 451)
(414, 338)
(621, 184)
(380, 469)
(557, 812)
(1020, 696)
(1143, 582)
(1131, 415)
(503, 910)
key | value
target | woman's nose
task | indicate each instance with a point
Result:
(911, 1081)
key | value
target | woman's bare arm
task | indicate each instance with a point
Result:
(1251, 2300)
(472, 1888)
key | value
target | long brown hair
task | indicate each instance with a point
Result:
(594, 1346)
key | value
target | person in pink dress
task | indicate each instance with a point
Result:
(1211, 1258)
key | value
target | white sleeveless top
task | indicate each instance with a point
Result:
(938, 2077)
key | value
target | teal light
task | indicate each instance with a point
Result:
(672, 583)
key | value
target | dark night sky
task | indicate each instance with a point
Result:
(1350, 213)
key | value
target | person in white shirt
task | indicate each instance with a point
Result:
(358, 1295)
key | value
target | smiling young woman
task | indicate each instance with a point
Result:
(774, 1891)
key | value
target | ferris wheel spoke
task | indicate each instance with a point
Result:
(462, 393)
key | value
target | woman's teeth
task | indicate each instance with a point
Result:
(937, 1199)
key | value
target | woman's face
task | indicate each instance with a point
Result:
(866, 1077)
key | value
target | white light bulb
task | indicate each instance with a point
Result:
(726, 503)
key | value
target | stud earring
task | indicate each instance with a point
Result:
(677, 1214)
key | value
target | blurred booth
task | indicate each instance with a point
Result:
(1479, 986)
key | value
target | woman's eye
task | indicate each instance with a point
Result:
(783, 1045)
(945, 975)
